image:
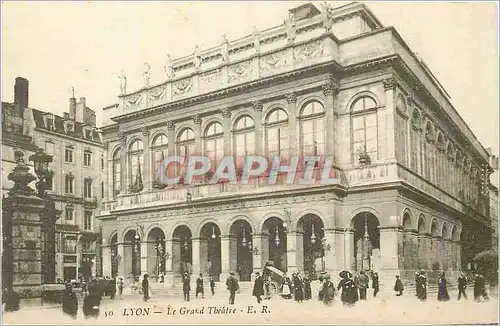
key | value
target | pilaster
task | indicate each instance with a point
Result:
(291, 99)
(147, 159)
(197, 135)
(291, 252)
(330, 90)
(389, 87)
(106, 260)
(225, 242)
(123, 163)
(226, 116)
(257, 106)
(195, 247)
(329, 251)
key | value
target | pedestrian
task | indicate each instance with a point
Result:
(462, 285)
(307, 287)
(417, 283)
(212, 286)
(70, 301)
(112, 285)
(162, 278)
(11, 299)
(232, 287)
(267, 285)
(362, 283)
(375, 284)
(349, 295)
(92, 302)
(258, 287)
(422, 286)
(120, 287)
(145, 288)
(398, 286)
(298, 287)
(186, 286)
(442, 289)
(199, 286)
(479, 288)
(328, 291)
(286, 287)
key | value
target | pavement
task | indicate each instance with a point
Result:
(163, 309)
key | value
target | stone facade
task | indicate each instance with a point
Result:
(344, 86)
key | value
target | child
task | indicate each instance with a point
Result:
(398, 286)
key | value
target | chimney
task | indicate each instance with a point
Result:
(80, 109)
(21, 89)
(72, 105)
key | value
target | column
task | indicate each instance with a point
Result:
(414, 252)
(458, 255)
(106, 260)
(257, 240)
(226, 123)
(144, 258)
(147, 160)
(195, 247)
(197, 135)
(123, 163)
(151, 260)
(291, 252)
(78, 253)
(171, 138)
(409, 102)
(389, 247)
(291, 99)
(122, 261)
(330, 90)
(428, 256)
(169, 274)
(329, 250)
(225, 256)
(348, 248)
(257, 106)
(390, 86)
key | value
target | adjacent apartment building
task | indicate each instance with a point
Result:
(332, 82)
(77, 173)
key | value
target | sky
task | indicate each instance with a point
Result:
(60, 45)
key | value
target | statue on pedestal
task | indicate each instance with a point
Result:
(123, 83)
(290, 24)
(197, 57)
(225, 48)
(169, 67)
(146, 74)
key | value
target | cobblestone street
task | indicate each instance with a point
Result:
(160, 309)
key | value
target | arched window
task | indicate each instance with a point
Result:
(159, 148)
(136, 162)
(364, 128)
(402, 131)
(244, 139)
(416, 122)
(185, 142)
(214, 142)
(277, 134)
(312, 129)
(116, 172)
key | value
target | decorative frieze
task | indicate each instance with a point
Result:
(240, 71)
(307, 51)
(272, 62)
(157, 93)
(183, 86)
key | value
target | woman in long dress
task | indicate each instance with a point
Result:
(298, 287)
(307, 287)
(328, 291)
(443, 289)
(286, 288)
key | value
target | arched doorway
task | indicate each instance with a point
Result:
(114, 255)
(132, 259)
(443, 248)
(182, 256)
(210, 247)
(422, 260)
(241, 246)
(435, 266)
(276, 233)
(156, 252)
(408, 244)
(312, 229)
(366, 241)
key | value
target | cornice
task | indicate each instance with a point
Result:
(228, 91)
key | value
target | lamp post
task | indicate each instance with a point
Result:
(160, 254)
(49, 216)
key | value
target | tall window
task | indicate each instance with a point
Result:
(102, 189)
(87, 188)
(364, 128)
(116, 172)
(159, 148)
(214, 142)
(244, 139)
(68, 213)
(415, 139)
(68, 183)
(87, 158)
(312, 129)
(277, 134)
(68, 155)
(135, 160)
(87, 222)
(185, 142)
(402, 131)
(102, 162)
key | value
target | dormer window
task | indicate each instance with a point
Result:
(88, 133)
(49, 122)
(69, 127)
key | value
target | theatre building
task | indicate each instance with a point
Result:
(334, 82)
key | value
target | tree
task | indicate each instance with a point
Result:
(487, 264)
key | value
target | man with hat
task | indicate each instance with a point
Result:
(145, 287)
(232, 287)
(258, 287)
(349, 294)
(186, 286)
(327, 290)
(70, 301)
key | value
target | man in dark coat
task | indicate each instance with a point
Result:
(328, 291)
(417, 283)
(422, 286)
(442, 289)
(212, 286)
(362, 283)
(199, 286)
(307, 287)
(267, 285)
(92, 302)
(398, 286)
(349, 294)
(462, 285)
(375, 284)
(145, 287)
(70, 301)
(479, 288)
(232, 287)
(298, 287)
(186, 286)
(258, 287)
(112, 287)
